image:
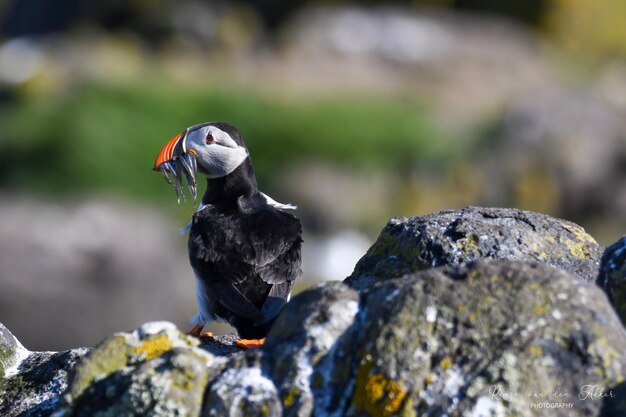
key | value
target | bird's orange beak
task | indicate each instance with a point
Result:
(177, 165)
(167, 153)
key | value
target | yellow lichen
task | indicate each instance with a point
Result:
(468, 244)
(183, 382)
(607, 354)
(539, 309)
(376, 394)
(154, 347)
(578, 250)
(580, 233)
(429, 379)
(446, 363)
(602, 341)
(496, 278)
(110, 356)
(485, 302)
(550, 239)
(543, 255)
(375, 387)
(291, 397)
(536, 351)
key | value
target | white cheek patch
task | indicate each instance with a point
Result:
(220, 161)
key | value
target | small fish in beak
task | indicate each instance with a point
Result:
(175, 164)
(188, 163)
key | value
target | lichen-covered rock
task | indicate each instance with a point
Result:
(10, 350)
(300, 343)
(31, 383)
(243, 392)
(155, 370)
(457, 237)
(480, 340)
(290, 371)
(491, 338)
(433, 330)
(169, 385)
(613, 276)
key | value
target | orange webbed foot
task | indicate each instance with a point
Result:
(206, 335)
(196, 330)
(249, 343)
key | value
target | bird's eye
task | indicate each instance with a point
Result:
(209, 138)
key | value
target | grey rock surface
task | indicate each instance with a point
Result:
(442, 341)
(457, 237)
(10, 349)
(171, 384)
(471, 337)
(300, 350)
(31, 383)
(445, 341)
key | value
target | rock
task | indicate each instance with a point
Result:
(155, 370)
(470, 339)
(303, 339)
(292, 371)
(10, 350)
(38, 387)
(221, 345)
(244, 391)
(31, 383)
(457, 237)
(168, 385)
(438, 342)
(454, 335)
(613, 276)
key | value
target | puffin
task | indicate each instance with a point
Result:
(244, 247)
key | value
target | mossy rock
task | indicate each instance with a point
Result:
(9, 354)
(243, 392)
(297, 352)
(438, 342)
(458, 237)
(37, 387)
(6, 354)
(509, 319)
(171, 384)
(126, 349)
(9, 347)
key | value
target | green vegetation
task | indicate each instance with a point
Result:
(105, 138)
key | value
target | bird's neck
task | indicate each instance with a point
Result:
(232, 186)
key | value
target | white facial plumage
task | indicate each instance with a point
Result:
(216, 152)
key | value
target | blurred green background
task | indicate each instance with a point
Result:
(354, 111)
